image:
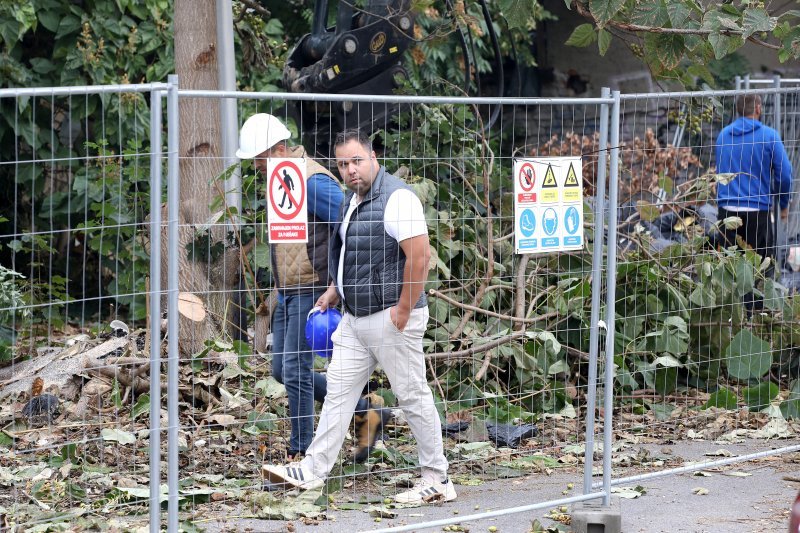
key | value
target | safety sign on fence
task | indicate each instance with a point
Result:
(287, 211)
(548, 204)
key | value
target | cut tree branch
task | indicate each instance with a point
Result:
(469, 352)
(472, 308)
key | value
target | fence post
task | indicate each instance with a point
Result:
(597, 287)
(780, 225)
(777, 106)
(173, 198)
(155, 312)
(230, 122)
(738, 81)
(611, 294)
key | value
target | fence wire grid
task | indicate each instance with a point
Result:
(112, 276)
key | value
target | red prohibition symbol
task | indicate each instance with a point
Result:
(295, 201)
(527, 177)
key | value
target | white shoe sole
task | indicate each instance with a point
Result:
(276, 476)
(439, 497)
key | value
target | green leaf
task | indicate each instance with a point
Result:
(747, 356)
(723, 398)
(662, 411)
(724, 45)
(583, 35)
(791, 408)
(774, 295)
(759, 396)
(678, 14)
(603, 41)
(144, 492)
(669, 49)
(141, 406)
(262, 421)
(118, 435)
(261, 256)
(745, 277)
(270, 388)
(517, 12)
(651, 14)
(756, 19)
(116, 397)
(702, 72)
(604, 10)
(665, 380)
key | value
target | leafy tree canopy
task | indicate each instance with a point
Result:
(678, 38)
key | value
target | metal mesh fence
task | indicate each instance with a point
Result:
(700, 333)
(75, 345)
(703, 319)
(506, 345)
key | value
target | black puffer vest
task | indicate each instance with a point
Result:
(372, 277)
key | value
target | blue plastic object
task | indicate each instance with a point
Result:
(319, 328)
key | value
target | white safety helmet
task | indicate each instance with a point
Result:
(260, 133)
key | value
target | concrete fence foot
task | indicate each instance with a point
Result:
(595, 518)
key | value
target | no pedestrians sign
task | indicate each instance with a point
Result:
(287, 209)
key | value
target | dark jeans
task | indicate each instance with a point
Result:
(293, 365)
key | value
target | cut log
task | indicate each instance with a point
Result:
(191, 307)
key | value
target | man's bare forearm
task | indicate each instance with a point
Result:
(418, 256)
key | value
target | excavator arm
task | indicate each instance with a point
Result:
(361, 54)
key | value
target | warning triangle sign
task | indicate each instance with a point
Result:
(572, 179)
(549, 178)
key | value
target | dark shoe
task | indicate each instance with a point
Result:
(369, 424)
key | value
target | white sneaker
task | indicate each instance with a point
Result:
(427, 491)
(293, 474)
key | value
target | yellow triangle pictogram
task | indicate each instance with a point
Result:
(549, 178)
(572, 179)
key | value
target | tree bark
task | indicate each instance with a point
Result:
(209, 278)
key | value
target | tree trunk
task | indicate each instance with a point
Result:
(207, 277)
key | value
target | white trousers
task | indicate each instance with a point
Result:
(359, 344)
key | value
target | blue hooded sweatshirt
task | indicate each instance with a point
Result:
(755, 153)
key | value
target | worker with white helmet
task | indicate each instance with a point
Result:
(300, 274)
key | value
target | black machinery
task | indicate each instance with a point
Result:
(362, 54)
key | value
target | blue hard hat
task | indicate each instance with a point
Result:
(319, 328)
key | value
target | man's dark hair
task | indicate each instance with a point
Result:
(746, 104)
(346, 136)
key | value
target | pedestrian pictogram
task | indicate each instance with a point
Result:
(286, 206)
(287, 184)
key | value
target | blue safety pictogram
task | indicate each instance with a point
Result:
(572, 220)
(527, 222)
(550, 221)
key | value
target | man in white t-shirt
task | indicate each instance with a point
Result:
(379, 256)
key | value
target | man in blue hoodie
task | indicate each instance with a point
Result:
(755, 155)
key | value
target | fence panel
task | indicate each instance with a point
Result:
(704, 332)
(507, 343)
(700, 332)
(78, 167)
